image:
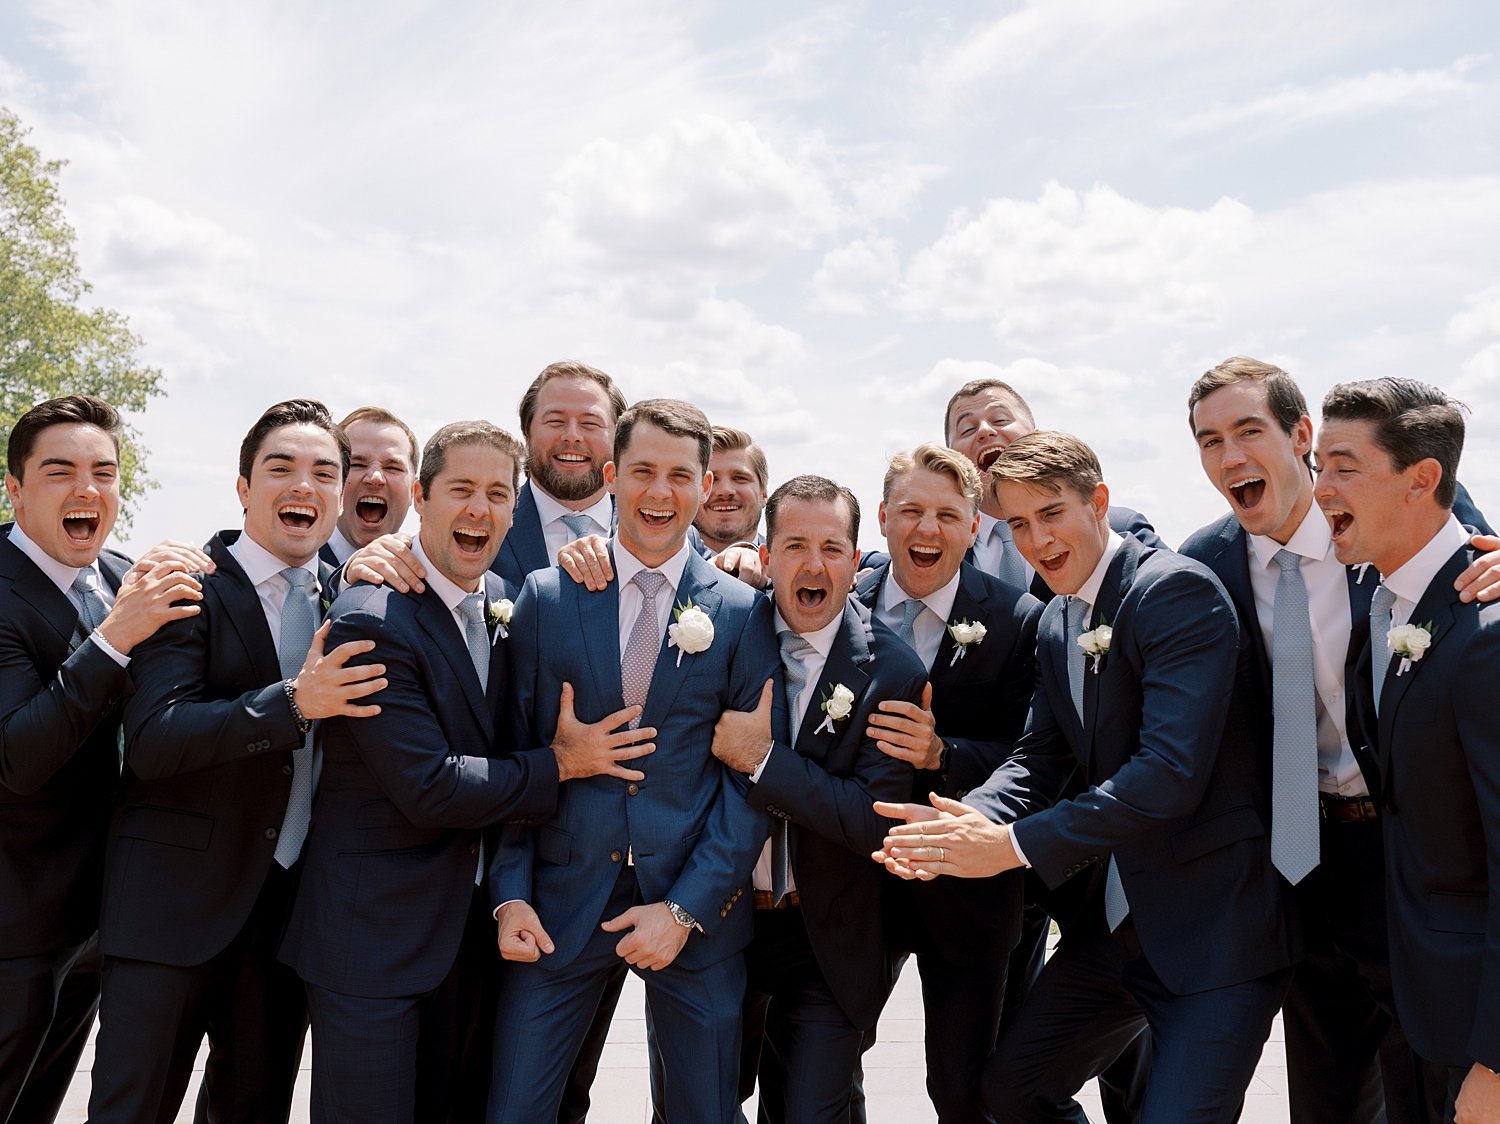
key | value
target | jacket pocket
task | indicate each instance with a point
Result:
(554, 846)
(1457, 913)
(166, 825)
(1228, 827)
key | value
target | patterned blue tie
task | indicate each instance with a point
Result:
(1380, 628)
(1294, 758)
(471, 608)
(298, 623)
(792, 648)
(579, 525)
(91, 607)
(638, 664)
(909, 614)
(1116, 906)
(1012, 567)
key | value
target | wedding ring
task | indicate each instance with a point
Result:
(942, 855)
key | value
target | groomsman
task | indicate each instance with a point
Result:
(956, 735)
(819, 967)
(741, 481)
(1136, 690)
(647, 871)
(219, 779)
(1307, 617)
(377, 493)
(1388, 457)
(71, 615)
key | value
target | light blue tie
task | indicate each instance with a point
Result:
(471, 608)
(298, 623)
(1012, 567)
(1380, 649)
(579, 525)
(909, 614)
(1116, 906)
(792, 647)
(91, 607)
(1294, 757)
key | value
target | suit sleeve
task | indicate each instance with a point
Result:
(734, 832)
(1035, 774)
(171, 728)
(1468, 513)
(44, 722)
(407, 750)
(971, 760)
(839, 808)
(1184, 646)
(1133, 523)
(509, 874)
(1480, 738)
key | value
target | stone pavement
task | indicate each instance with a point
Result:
(893, 1072)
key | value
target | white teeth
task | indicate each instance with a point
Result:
(373, 501)
(297, 509)
(470, 533)
(656, 514)
(572, 458)
(1247, 480)
(81, 515)
(925, 550)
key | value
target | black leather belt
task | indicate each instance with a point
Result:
(1347, 809)
(766, 899)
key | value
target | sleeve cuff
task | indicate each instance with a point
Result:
(1015, 843)
(761, 768)
(109, 649)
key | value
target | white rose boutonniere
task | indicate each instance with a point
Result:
(498, 614)
(1095, 644)
(837, 705)
(965, 635)
(692, 633)
(1410, 642)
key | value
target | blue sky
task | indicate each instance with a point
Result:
(813, 221)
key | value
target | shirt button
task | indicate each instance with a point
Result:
(614, 856)
(633, 789)
(271, 833)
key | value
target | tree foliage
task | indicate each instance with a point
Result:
(50, 342)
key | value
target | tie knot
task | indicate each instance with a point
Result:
(297, 578)
(84, 582)
(578, 525)
(472, 606)
(1287, 560)
(1383, 601)
(649, 582)
(792, 645)
(911, 611)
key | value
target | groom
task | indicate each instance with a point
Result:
(649, 870)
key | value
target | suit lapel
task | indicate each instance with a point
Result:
(1434, 610)
(844, 668)
(35, 588)
(1117, 580)
(968, 605)
(242, 608)
(599, 632)
(672, 664)
(436, 619)
(495, 590)
(1232, 565)
(525, 538)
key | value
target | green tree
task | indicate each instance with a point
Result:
(50, 343)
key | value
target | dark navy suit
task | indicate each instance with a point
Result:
(194, 902)
(60, 697)
(1439, 756)
(962, 930)
(384, 927)
(828, 956)
(1178, 778)
(687, 826)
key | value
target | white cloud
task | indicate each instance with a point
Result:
(1479, 320)
(843, 283)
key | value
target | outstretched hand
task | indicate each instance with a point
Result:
(947, 838)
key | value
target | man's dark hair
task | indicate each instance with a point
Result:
(680, 419)
(71, 409)
(567, 369)
(454, 434)
(294, 411)
(979, 386)
(1412, 422)
(1283, 396)
(816, 489)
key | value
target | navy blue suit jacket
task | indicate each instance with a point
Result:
(980, 704)
(60, 700)
(825, 784)
(1438, 746)
(692, 833)
(389, 865)
(208, 770)
(1177, 768)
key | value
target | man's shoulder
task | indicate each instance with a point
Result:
(1162, 569)
(1208, 541)
(997, 597)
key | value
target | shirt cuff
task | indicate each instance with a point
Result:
(1015, 845)
(109, 649)
(761, 768)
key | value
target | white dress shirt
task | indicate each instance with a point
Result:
(930, 624)
(555, 532)
(63, 577)
(264, 571)
(813, 661)
(1410, 581)
(1327, 584)
(342, 548)
(627, 565)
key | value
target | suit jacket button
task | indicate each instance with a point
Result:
(252, 747)
(287, 769)
(723, 913)
(614, 856)
(272, 833)
(633, 789)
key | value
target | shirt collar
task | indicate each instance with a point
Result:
(1089, 593)
(940, 600)
(1410, 581)
(448, 592)
(549, 510)
(627, 565)
(260, 565)
(340, 545)
(1313, 539)
(821, 640)
(59, 574)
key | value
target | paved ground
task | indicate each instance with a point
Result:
(894, 1075)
